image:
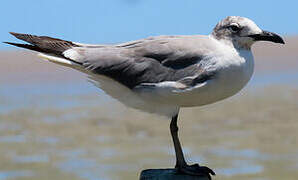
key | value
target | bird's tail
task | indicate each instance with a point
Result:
(49, 48)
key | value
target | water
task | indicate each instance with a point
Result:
(74, 131)
(15, 174)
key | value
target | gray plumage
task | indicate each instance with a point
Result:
(151, 60)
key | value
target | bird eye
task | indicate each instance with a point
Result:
(234, 28)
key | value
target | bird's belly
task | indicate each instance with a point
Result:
(219, 88)
(215, 90)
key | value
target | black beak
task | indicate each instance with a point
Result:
(267, 36)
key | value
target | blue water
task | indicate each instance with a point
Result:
(19, 96)
(282, 78)
(37, 158)
(241, 168)
(15, 174)
(13, 139)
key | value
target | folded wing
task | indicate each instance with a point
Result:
(133, 64)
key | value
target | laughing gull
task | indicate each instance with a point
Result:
(162, 74)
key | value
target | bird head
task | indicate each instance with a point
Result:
(242, 32)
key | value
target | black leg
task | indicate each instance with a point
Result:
(180, 161)
(181, 164)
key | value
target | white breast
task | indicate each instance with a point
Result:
(233, 70)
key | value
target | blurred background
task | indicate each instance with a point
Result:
(56, 125)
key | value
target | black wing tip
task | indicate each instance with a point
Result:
(42, 43)
(10, 43)
(13, 33)
(16, 34)
(25, 46)
(24, 37)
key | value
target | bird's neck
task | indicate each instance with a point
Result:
(238, 45)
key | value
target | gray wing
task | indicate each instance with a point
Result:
(148, 61)
(144, 62)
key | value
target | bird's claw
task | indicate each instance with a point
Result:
(196, 170)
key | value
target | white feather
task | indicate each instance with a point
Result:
(72, 54)
(58, 60)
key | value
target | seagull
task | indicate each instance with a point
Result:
(165, 73)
